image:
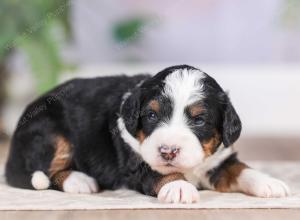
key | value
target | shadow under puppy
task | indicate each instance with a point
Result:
(164, 135)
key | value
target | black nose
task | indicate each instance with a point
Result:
(168, 152)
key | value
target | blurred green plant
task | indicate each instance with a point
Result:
(35, 27)
(291, 13)
(130, 30)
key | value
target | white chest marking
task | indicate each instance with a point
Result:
(198, 176)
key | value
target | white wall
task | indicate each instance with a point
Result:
(187, 31)
(266, 97)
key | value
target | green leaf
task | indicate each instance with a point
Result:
(45, 61)
(129, 30)
(28, 25)
(291, 13)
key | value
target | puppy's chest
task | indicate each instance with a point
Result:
(199, 178)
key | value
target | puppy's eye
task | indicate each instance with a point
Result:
(152, 116)
(198, 120)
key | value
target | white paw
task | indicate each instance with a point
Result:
(78, 182)
(258, 184)
(39, 180)
(178, 191)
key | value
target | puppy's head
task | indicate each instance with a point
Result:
(177, 118)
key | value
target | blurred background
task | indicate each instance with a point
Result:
(251, 47)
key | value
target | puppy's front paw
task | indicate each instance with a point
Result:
(258, 184)
(178, 191)
(78, 182)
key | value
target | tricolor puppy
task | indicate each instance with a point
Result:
(165, 135)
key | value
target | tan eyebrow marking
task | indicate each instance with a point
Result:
(154, 105)
(195, 110)
(62, 156)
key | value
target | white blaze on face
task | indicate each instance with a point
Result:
(183, 87)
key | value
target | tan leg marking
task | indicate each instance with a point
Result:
(229, 177)
(167, 179)
(61, 161)
(59, 178)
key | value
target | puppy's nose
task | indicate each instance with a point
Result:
(168, 152)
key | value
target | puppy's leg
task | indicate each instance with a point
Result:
(255, 183)
(235, 176)
(61, 174)
(174, 188)
(74, 182)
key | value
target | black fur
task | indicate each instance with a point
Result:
(86, 115)
(85, 112)
(221, 110)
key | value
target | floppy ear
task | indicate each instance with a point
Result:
(232, 125)
(130, 110)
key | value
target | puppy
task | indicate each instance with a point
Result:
(165, 135)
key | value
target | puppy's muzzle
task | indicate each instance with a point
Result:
(168, 153)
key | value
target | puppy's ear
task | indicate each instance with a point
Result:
(130, 110)
(232, 125)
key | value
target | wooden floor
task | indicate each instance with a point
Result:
(205, 214)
